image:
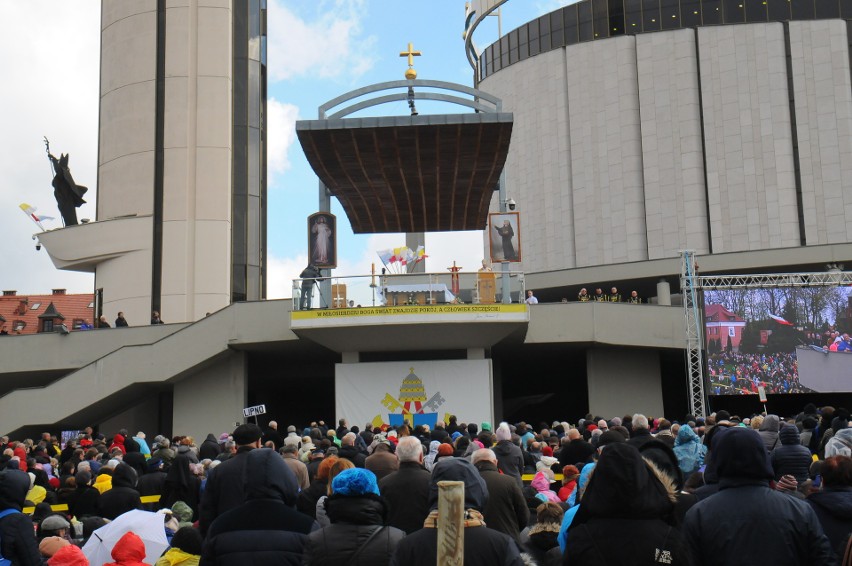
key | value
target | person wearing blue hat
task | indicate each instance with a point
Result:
(357, 534)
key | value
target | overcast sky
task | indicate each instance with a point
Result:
(317, 50)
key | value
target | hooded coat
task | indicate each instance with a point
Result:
(769, 432)
(123, 496)
(181, 485)
(482, 546)
(429, 459)
(629, 496)
(833, 507)
(689, 451)
(128, 551)
(840, 444)
(790, 457)
(17, 541)
(225, 488)
(355, 518)
(542, 485)
(118, 442)
(714, 526)
(510, 460)
(265, 529)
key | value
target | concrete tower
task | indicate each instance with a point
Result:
(181, 220)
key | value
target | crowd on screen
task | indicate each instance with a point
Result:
(742, 373)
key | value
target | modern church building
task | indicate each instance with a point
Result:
(640, 128)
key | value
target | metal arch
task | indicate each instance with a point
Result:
(421, 83)
(468, 38)
(403, 96)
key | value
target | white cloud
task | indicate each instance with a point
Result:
(329, 46)
(50, 65)
(547, 6)
(281, 123)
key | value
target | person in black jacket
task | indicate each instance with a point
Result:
(833, 503)
(628, 496)
(152, 483)
(349, 451)
(748, 522)
(406, 491)
(209, 449)
(510, 460)
(265, 529)
(181, 485)
(85, 500)
(789, 456)
(506, 510)
(574, 449)
(17, 539)
(482, 546)
(357, 534)
(123, 496)
(225, 488)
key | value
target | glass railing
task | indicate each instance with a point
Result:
(404, 289)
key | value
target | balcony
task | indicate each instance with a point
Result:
(410, 311)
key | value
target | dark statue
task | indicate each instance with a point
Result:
(69, 195)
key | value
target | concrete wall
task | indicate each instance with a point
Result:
(672, 160)
(623, 382)
(751, 184)
(144, 416)
(821, 86)
(197, 180)
(611, 137)
(212, 400)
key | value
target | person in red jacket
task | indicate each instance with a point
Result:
(128, 551)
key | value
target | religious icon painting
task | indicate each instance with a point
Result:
(504, 235)
(322, 239)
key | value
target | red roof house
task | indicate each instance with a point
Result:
(30, 314)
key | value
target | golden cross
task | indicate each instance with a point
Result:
(411, 54)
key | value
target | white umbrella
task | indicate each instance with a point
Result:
(148, 526)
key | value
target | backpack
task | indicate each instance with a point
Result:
(6, 561)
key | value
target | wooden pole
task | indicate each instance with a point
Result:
(450, 523)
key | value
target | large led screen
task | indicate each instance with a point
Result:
(787, 340)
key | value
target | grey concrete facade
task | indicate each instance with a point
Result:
(635, 147)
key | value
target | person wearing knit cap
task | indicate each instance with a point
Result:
(788, 484)
(742, 465)
(482, 546)
(510, 459)
(357, 513)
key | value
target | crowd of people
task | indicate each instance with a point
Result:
(740, 373)
(689, 491)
